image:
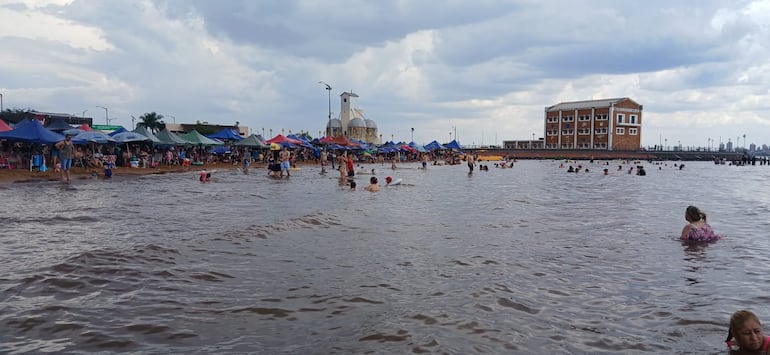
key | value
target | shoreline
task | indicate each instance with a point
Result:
(23, 176)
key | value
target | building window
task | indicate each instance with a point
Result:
(632, 119)
(633, 131)
(620, 118)
(620, 130)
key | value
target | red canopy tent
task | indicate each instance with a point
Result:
(85, 128)
(4, 126)
(340, 140)
(282, 139)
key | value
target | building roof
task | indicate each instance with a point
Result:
(370, 123)
(575, 105)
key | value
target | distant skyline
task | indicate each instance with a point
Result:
(484, 69)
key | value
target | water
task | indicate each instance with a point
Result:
(524, 260)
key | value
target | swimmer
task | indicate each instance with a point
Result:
(373, 187)
(205, 176)
(746, 331)
(697, 229)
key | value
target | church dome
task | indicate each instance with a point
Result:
(357, 122)
(335, 123)
(370, 123)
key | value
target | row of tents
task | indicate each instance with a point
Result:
(32, 131)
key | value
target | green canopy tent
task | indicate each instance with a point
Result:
(194, 137)
(169, 138)
(147, 133)
(252, 141)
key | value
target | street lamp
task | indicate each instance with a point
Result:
(106, 114)
(133, 122)
(329, 89)
(84, 113)
(412, 134)
(173, 118)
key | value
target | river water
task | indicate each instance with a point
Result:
(524, 260)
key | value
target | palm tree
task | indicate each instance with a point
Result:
(152, 121)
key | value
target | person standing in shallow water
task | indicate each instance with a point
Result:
(471, 162)
(285, 158)
(66, 153)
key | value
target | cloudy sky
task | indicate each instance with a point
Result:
(485, 69)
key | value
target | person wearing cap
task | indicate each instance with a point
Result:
(66, 153)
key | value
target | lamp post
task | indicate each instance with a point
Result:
(329, 90)
(412, 134)
(106, 114)
(1, 102)
(83, 115)
(744, 141)
(173, 118)
(133, 122)
(666, 141)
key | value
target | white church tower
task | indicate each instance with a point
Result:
(346, 111)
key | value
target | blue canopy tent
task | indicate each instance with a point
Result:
(33, 132)
(57, 125)
(453, 145)
(119, 130)
(225, 134)
(434, 146)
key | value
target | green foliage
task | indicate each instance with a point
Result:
(152, 121)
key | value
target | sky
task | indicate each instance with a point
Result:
(479, 71)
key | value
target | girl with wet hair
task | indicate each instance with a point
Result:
(745, 333)
(697, 230)
(693, 214)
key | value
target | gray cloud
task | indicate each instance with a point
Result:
(482, 67)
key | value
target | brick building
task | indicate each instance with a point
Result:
(606, 124)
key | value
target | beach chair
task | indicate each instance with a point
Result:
(37, 162)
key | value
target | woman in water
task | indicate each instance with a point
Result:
(745, 333)
(697, 229)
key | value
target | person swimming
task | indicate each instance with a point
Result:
(697, 230)
(745, 333)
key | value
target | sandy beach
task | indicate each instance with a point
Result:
(10, 176)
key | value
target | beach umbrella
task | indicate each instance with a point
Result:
(128, 137)
(73, 131)
(92, 137)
